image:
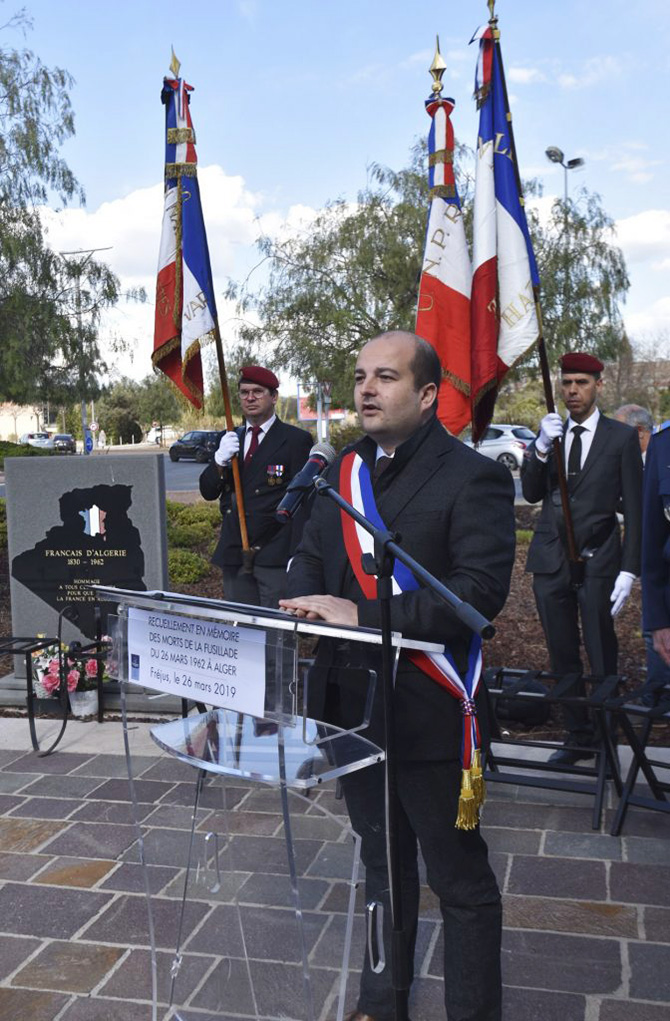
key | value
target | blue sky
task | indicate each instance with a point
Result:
(295, 98)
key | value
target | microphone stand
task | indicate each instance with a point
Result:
(381, 564)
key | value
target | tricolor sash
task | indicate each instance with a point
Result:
(356, 488)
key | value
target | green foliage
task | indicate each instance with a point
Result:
(174, 511)
(520, 402)
(185, 567)
(8, 449)
(341, 434)
(201, 513)
(157, 401)
(583, 277)
(190, 534)
(51, 305)
(119, 412)
(523, 536)
(192, 528)
(3, 523)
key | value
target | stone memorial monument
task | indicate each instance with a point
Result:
(80, 521)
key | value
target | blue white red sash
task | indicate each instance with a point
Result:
(356, 487)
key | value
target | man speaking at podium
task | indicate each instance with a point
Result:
(454, 510)
(270, 453)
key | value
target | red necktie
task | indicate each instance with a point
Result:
(253, 446)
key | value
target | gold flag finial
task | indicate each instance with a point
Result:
(437, 69)
(174, 63)
(491, 6)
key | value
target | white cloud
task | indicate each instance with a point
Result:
(645, 236)
(234, 219)
(593, 71)
(525, 75)
(652, 321)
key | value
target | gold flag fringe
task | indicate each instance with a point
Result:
(180, 170)
(442, 191)
(177, 136)
(456, 382)
(478, 785)
(440, 156)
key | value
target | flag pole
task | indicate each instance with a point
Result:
(230, 425)
(576, 563)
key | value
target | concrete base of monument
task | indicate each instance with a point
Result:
(13, 694)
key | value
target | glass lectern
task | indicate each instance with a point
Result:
(251, 873)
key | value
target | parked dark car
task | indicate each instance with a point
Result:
(64, 443)
(198, 445)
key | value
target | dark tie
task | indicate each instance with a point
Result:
(253, 446)
(575, 455)
(380, 467)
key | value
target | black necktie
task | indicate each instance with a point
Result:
(380, 467)
(575, 455)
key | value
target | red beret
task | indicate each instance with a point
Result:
(576, 361)
(260, 376)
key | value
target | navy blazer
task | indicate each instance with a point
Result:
(656, 534)
(265, 479)
(610, 480)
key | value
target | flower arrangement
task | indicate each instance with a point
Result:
(81, 675)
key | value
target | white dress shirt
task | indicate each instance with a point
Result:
(261, 436)
(589, 426)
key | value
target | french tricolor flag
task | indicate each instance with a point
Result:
(185, 305)
(504, 315)
(443, 308)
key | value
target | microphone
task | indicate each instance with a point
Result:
(320, 456)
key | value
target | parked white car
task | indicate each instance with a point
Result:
(39, 439)
(504, 443)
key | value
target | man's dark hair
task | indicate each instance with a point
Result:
(425, 365)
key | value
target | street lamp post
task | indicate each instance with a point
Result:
(556, 155)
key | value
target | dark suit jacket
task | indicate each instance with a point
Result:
(454, 510)
(265, 479)
(610, 479)
(656, 534)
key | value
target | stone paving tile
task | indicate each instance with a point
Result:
(148, 791)
(63, 786)
(640, 884)
(337, 899)
(270, 934)
(10, 782)
(259, 823)
(267, 799)
(227, 988)
(650, 971)
(70, 967)
(583, 845)
(646, 850)
(132, 978)
(129, 878)
(268, 854)
(268, 890)
(641, 822)
(209, 887)
(74, 872)
(64, 762)
(8, 755)
(110, 766)
(536, 1005)
(110, 811)
(212, 797)
(558, 877)
(125, 922)
(538, 817)
(8, 802)
(25, 835)
(47, 911)
(167, 847)
(178, 817)
(333, 861)
(576, 964)
(13, 952)
(628, 1010)
(44, 808)
(165, 768)
(85, 1009)
(21, 866)
(27, 1005)
(512, 841)
(657, 924)
(587, 917)
(93, 840)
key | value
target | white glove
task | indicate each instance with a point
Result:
(621, 590)
(228, 447)
(551, 428)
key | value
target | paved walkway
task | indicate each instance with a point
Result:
(587, 933)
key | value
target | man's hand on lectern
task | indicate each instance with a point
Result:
(332, 609)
